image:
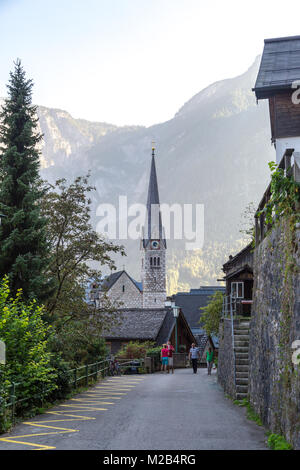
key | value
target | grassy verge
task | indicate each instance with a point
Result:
(275, 441)
(250, 412)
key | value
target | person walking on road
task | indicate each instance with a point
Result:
(164, 354)
(170, 357)
(193, 355)
(209, 360)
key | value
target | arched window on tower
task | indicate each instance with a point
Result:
(123, 288)
(154, 259)
(158, 261)
(151, 261)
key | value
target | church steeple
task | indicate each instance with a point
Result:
(153, 247)
(153, 225)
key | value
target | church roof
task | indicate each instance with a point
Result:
(279, 67)
(110, 280)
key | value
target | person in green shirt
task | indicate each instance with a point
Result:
(209, 360)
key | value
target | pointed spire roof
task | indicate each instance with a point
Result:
(153, 226)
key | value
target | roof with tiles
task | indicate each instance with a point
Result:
(139, 324)
(279, 67)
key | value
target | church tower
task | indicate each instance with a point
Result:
(153, 247)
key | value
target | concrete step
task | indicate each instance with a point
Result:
(241, 337)
(241, 361)
(242, 388)
(241, 344)
(242, 368)
(241, 349)
(242, 328)
(244, 324)
(241, 396)
(242, 381)
(241, 374)
(241, 355)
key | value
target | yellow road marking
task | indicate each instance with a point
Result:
(50, 427)
(85, 407)
(93, 402)
(106, 390)
(41, 446)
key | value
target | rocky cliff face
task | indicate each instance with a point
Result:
(213, 152)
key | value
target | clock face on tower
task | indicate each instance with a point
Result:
(155, 245)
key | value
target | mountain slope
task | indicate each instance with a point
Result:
(214, 151)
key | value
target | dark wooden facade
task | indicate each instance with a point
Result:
(239, 269)
(284, 115)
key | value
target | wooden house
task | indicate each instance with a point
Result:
(278, 80)
(239, 279)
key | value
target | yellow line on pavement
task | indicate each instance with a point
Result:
(88, 401)
(41, 446)
(84, 407)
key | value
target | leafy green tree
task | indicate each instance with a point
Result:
(24, 250)
(212, 313)
(25, 335)
(74, 246)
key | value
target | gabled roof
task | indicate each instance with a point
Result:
(191, 302)
(138, 324)
(279, 67)
(110, 280)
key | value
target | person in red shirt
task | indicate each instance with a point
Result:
(164, 357)
(170, 356)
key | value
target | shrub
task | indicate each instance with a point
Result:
(135, 349)
(25, 335)
(277, 442)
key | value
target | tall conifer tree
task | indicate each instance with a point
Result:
(24, 252)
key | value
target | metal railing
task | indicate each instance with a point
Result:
(230, 311)
(75, 377)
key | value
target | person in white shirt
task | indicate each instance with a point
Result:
(193, 355)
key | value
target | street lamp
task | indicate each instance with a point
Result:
(176, 311)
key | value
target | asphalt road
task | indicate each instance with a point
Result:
(184, 411)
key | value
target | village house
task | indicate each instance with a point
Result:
(144, 315)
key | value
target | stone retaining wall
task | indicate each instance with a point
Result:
(274, 381)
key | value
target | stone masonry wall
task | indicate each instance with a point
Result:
(274, 381)
(226, 358)
(130, 298)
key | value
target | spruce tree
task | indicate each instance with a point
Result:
(24, 251)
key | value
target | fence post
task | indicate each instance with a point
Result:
(75, 378)
(13, 402)
(87, 375)
(96, 371)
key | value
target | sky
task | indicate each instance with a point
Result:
(134, 62)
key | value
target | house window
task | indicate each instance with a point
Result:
(123, 288)
(237, 290)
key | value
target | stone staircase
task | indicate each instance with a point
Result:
(241, 350)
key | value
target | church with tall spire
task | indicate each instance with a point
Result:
(150, 292)
(153, 248)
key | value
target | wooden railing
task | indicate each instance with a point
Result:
(291, 169)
